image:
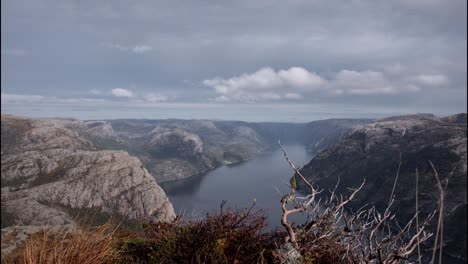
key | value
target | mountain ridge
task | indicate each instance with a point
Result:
(373, 151)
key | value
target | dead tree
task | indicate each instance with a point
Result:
(365, 236)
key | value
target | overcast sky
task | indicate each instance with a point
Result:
(245, 60)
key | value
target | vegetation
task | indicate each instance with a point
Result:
(87, 246)
(231, 236)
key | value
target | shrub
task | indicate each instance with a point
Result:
(232, 236)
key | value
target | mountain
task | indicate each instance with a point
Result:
(172, 149)
(372, 152)
(50, 172)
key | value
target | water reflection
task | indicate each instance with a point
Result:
(239, 185)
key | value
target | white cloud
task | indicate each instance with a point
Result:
(20, 98)
(141, 49)
(431, 79)
(120, 92)
(138, 49)
(264, 84)
(296, 83)
(300, 77)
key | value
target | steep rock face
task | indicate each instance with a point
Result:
(321, 134)
(48, 168)
(247, 133)
(372, 152)
(174, 142)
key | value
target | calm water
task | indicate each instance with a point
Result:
(239, 185)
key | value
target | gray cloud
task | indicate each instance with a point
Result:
(369, 54)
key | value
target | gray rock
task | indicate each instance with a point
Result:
(372, 152)
(47, 167)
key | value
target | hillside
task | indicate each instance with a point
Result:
(372, 153)
(50, 172)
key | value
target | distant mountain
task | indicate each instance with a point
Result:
(372, 152)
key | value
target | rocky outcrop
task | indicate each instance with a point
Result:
(49, 169)
(373, 152)
(175, 142)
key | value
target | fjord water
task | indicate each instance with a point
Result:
(239, 184)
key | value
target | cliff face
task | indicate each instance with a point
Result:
(372, 152)
(49, 168)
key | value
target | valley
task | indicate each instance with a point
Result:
(155, 169)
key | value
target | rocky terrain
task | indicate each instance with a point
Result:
(50, 171)
(53, 170)
(373, 152)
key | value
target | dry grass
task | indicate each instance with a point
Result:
(94, 245)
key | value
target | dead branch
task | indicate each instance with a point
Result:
(366, 236)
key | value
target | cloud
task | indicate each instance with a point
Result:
(265, 84)
(432, 80)
(300, 77)
(155, 98)
(120, 92)
(321, 38)
(20, 98)
(270, 96)
(361, 83)
(293, 96)
(298, 83)
(141, 49)
(138, 49)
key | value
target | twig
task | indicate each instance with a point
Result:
(440, 222)
(417, 216)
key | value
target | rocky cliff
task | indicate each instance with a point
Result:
(373, 152)
(49, 169)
